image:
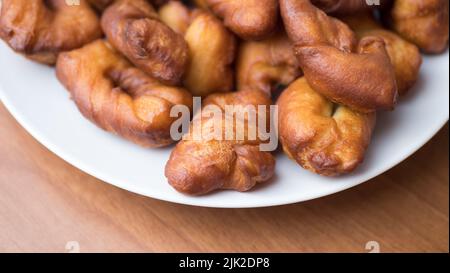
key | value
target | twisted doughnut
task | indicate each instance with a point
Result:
(265, 65)
(212, 48)
(199, 166)
(423, 22)
(404, 55)
(358, 75)
(133, 28)
(250, 19)
(40, 29)
(323, 138)
(118, 97)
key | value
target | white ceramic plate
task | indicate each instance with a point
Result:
(33, 95)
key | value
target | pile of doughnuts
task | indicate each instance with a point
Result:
(329, 66)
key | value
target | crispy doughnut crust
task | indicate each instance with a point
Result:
(249, 19)
(358, 75)
(118, 97)
(200, 166)
(404, 55)
(323, 138)
(133, 28)
(41, 29)
(307, 25)
(177, 16)
(364, 81)
(212, 48)
(422, 22)
(267, 64)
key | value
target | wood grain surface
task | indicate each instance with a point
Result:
(46, 203)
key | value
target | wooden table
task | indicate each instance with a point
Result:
(48, 205)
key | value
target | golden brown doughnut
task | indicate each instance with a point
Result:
(199, 166)
(118, 97)
(249, 19)
(422, 22)
(133, 27)
(176, 15)
(404, 55)
(323, 138)
(264, 65)
(212, 48)
(40, 29)
(358, 75)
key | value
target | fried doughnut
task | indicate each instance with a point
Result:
(212, 48)
(404, 55)
(358, 75)
(177, 16)
(40, 29)
(200, 166)
(133, 28)
(323, 138)
(422, 22)
(250, 19)
(118, 97)
(264, 65)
